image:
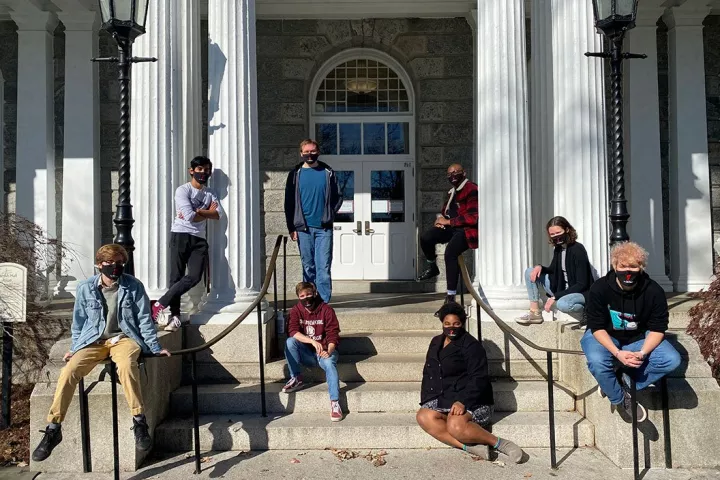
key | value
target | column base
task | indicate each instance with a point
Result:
(504, 298)
(224, 309)
(66, 288)
(685, 284)
(664, 281)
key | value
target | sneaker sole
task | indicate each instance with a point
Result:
(333, 419)
(291, 390)
(529, 322)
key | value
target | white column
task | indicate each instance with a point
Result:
(690, 218)
(642, 142)
(580, 179)
(541, 126)
(165, 129)
(502, 153)
(233, 146)
(35, 177)
(81, 164)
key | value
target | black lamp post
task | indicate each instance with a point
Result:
(125, 21)
(613, 18)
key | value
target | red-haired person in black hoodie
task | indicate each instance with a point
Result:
(313, 337)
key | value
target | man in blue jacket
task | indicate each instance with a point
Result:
(111, 319)
(312, 199)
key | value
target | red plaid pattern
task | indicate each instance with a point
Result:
(467, 200)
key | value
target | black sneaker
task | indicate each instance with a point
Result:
(625, 409)
(448, 299)
(431, 271)
(51, 439)
(143, 442)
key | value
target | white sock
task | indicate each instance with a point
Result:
(451, 293)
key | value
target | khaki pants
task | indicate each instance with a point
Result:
(124, 353)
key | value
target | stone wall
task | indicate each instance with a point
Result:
(436, 53)
(712, 93)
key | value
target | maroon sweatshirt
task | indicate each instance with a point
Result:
(320, 324)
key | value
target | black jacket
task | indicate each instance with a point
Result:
(578, 268)
(293, 207)
(627, 315)
(456, 373)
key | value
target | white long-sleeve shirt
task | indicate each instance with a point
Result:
(188, 200)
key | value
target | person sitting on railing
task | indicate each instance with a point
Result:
(195, 205)
(627, 315)
(566, 281)
(456, 395)
(313, 338)
(111, 319)
(456, 226)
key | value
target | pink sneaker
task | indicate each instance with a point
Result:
(155, 311)
(293, 384)
(335, 411)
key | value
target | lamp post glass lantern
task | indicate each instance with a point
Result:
(125, 21)
(613, 18)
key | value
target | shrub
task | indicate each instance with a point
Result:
(704, 324)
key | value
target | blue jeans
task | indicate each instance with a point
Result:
(298, 353)
(601, 363)
(570, 303)
(316, 248)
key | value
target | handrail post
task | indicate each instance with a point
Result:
(633, 403)
(275, 295)
(284, 277)
(666, 422)
(196, 413)
(262, 360)
(462, 293)
(116, 447)
(551, 410)
(84, 427)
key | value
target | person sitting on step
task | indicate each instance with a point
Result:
(627, 316)
(313, 338)
(457, 226)
(456, 395)
(111, 319)
(566, 281)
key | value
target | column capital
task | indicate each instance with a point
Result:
(690, 14)
(648, 16)
(38, 21)
(80, 21)
(471, 18)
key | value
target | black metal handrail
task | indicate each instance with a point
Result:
(507, 329)
(270, 274)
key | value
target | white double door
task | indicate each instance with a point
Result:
(374, 231)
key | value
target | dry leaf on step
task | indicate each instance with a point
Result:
(205, 459)
(499, 463)
(527, 475)
(22, 464)
(294, 460)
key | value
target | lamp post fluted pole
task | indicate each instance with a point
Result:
(619, 215)
(123, 213)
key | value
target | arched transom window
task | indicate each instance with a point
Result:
(361, 85)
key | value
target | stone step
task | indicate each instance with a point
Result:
(362, 368)
(385, 286)
(314, 431)
(354, 397)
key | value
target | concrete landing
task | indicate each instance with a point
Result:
(581, 463)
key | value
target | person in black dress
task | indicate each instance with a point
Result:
(456, 396)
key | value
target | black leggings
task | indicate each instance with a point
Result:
(456, 245)
(186, 252)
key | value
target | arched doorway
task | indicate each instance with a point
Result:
(362, 105)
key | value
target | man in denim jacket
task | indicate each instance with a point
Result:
(111, 318)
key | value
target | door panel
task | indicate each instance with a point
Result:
(347, 240)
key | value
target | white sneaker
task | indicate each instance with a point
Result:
(163, 318)
(173, 324)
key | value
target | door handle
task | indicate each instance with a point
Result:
(368, 230)
(358, 230)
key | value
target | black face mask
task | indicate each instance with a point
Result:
(308, 302)
(456, 179)
(560, 239)
(310, 157)
(201, 177)
(453, 333)
(113, 271)
(627, 278)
